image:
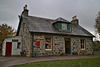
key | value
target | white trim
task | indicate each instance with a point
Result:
(48, 49)
(83, 49)
(51, 43)
(83, 44)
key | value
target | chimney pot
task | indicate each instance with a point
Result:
(25, 11)
(75, 20)
(25, 7)
(74, 17)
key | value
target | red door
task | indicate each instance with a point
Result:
(8, 48)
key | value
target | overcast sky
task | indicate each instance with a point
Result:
(86, 10)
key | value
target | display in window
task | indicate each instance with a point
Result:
(48, 42)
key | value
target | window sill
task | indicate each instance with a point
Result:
(48, 49)
(82, 49)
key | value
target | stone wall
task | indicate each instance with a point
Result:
(26, 38)
(76, 46)
(89, 46)
(58, 47)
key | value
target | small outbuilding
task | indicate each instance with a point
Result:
(11, 46)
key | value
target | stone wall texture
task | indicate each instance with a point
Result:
(76, 46)
(56, 49)
(89, 46)
(26, 38)
(58, 46)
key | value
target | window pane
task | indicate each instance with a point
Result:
(18, 45)
(68, 27)
(60, 26)
(64, 26)
(48, 42)
(82, 44)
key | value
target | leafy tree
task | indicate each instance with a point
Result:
(6, 32)
(97, 24)
(96, 45)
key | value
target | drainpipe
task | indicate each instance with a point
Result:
(32, 44)
(92, 45)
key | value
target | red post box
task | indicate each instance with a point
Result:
(38, 43)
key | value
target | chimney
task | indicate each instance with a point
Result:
(75, 20)
(25, 11)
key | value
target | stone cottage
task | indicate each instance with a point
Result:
(56, 37)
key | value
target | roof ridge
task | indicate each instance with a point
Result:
(61, 19)
(42, 18)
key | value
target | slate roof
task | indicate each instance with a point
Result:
(44, 25)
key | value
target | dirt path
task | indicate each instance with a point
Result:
(9, 61)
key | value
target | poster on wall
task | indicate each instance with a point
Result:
(38, 37)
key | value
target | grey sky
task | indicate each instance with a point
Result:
(86, 10)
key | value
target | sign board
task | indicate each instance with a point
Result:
(38, 37)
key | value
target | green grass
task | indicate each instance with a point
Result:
(96, 52)
(90, 62)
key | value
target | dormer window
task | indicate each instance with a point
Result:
(64, 26)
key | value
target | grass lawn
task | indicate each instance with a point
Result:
(96, 52)
(90, 62)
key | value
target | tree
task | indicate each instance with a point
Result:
(6, 32)
(96, 45)
(97, 24)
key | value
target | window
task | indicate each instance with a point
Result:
(48, 43)
(64, 26)
(82, 44)
(18, 45)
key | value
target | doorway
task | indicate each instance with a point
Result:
(8, 48)
(67, 46)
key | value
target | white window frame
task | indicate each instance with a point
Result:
(82, 43)
(51, 43)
